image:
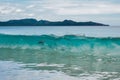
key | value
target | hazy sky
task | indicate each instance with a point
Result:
(105, 11)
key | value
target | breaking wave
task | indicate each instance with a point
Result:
(73, 55)
(66, 43)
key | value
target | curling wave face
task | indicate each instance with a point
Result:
(55, 42)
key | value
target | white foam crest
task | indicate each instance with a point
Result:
(49, 65)
(27, 74)
(99, 76)
(20, 47)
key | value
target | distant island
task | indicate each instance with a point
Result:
(34, 22)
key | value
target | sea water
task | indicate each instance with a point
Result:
(60, 53)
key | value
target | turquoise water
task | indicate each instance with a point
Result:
(59, 57)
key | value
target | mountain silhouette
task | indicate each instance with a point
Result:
(34, 22)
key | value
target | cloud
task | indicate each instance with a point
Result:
(18, 10)
(30, 14)
(30, 6)
(83, 8)
(89, 9)
(7, 10)
(68, 7)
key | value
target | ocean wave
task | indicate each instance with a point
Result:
(55, 41)
(62, 44)
(71, 54)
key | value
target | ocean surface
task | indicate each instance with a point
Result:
(60, 53)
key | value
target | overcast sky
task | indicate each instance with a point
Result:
(105, 11)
